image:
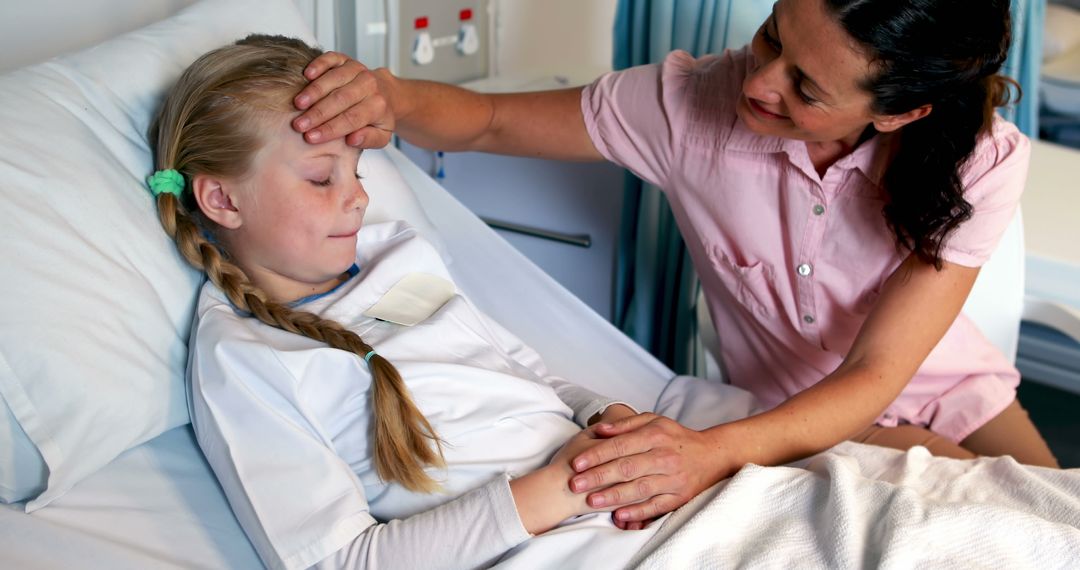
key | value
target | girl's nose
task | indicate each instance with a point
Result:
(359, 198)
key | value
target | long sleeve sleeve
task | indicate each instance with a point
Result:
(297, 500)
(472, 531)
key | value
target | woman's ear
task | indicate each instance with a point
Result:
(215, 201)
(889, 123)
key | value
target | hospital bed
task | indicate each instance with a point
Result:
(99, 467)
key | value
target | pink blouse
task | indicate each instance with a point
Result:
(792, 262)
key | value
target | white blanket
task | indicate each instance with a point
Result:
(860, 506)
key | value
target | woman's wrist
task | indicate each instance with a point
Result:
(770, 438)
(732, 449)
(395, 91)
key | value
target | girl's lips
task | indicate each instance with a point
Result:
(762, 111)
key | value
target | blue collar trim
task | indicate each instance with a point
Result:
(352, 271)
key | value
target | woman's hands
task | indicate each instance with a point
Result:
(647, 465)
(344, 99)
(543, 497)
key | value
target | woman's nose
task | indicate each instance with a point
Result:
(766, 82)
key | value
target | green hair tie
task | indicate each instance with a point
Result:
(167, 181)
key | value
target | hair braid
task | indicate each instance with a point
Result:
(403, 436)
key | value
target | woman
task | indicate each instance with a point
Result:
(839, 182)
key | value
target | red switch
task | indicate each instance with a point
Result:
(421, 23)
(466, 14)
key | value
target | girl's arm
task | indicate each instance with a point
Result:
(346, 98)
(474, 530)
(296, 498)
(917, 306)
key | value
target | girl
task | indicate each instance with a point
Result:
(282, 363)
(838, 182)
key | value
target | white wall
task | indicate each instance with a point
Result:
(34, 31)
(554, 36)
(536, 36)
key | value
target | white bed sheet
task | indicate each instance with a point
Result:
(159, 505)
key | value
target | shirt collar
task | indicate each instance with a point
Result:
(351, 271)
(871, 157)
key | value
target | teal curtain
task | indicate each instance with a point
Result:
(1025, 59)
(655, 282)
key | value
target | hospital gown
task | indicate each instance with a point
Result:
(285, 423)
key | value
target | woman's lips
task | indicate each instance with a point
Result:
(762, 111)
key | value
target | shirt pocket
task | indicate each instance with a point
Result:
(751, 285)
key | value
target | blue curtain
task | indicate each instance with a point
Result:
(655, 282)
(1025, 60)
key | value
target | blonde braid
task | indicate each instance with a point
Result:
(209, 124)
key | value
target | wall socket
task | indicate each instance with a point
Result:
(386, 33)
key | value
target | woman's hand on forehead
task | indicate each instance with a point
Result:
(343, 100)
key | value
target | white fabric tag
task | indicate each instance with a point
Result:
(416, 297)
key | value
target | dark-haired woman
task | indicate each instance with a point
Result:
(839, 182)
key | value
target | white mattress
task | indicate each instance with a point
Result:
(159, 506)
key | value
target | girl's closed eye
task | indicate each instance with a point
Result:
(329, 181)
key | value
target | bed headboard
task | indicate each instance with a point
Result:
(31, 32)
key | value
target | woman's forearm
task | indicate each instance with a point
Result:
(895, 339)
(812, 421)
(438, 116)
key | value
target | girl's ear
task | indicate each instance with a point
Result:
(889, 123)
(215, 201)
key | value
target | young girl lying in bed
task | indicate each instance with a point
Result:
(320, 420)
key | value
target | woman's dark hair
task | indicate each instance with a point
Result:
(944, 53)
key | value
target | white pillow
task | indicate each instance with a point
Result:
(1062, 31)
(96, 301)
(391, 198)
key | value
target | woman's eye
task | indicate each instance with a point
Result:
(769, 38)
(806, 98)
(324, 183)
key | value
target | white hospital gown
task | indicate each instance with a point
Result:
(285, 423)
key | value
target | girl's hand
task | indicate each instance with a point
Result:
(649, 465)
(543, 497)
(344, 99)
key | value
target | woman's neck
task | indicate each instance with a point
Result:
(824, 154)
